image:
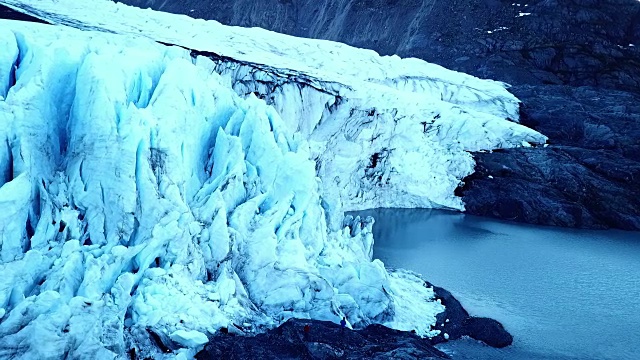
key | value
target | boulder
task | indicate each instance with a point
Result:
(455, 323)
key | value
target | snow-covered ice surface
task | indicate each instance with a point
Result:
(153, 194)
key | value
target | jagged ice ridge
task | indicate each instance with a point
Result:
(149, 193)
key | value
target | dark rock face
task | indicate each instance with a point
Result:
(565, 58)
(10, 14)
(325, 340)
(587, 177)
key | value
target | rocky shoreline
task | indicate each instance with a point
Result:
(455, 322)
(326, 340)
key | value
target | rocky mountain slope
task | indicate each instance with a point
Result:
(564, 58)
(576, 42)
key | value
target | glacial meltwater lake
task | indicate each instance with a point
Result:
(562, 293)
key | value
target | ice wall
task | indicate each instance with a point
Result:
(392, 144)
(146, 205)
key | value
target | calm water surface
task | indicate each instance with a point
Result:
(562, 293)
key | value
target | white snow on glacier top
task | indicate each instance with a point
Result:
(321, 59)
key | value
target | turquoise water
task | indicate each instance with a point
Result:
(562, 293)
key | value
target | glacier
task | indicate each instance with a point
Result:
(376, 158)
(164, 177)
